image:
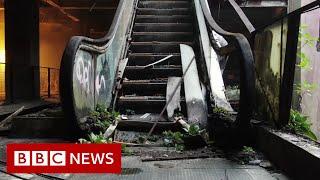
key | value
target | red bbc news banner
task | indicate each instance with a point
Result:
(64, 158)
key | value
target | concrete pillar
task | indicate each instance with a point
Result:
(22, 49)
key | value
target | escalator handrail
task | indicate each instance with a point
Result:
(93, 46)
(247, 67)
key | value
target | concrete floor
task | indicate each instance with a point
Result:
(134, 168)
(211, 168)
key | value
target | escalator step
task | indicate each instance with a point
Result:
(142, 59)
(163, 27)
(162, 36)
(156, 47)
(164, 4)
(144, 87)
(154, 11)
(144, 104)
(137, 73)
(163, 19)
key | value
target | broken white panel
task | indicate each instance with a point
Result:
(220, 42)
(196, 105)
(174, 104)
(217, 84)
(212, 63)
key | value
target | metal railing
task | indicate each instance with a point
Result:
(49, 82)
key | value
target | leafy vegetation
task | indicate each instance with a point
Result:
(97, 123)
(219, 110)
(143, 138)
(194, 130)
(306, 88)
(95, 139)
(248, 150)
(300, 124)
(173, 139)
(222, 113)
(125, 150)
(100, 119)
(305, 39)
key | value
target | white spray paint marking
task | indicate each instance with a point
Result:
(83, 74)
(100, 83)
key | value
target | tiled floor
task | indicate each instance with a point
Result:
(134, 168)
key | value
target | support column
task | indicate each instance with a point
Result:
(22, 50)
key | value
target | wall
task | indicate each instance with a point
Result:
(2, 57)
(53, 40)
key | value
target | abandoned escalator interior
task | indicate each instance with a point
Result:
(161, 67)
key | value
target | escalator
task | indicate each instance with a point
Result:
(160, 59)
(158, 30)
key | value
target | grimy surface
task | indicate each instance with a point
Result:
(134, 168)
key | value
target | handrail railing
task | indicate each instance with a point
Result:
(49, 81)
(247, 80)
(88, 67)
(276, 48)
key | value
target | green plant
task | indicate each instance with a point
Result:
(95, 139)
(178, 114)
(125, 150)
(248, 150)
(100, 119)
(194, 130)
(103, 113)
(306, 87)
(300, 124)
(304, 39)
(94, 115)
(235, 87)
(142, 138)
(222, 113)
(173, 139)
(220, 110)
(103, 125)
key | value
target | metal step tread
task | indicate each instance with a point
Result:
(162, 36)
(154, 54)
(145, 59)
(161, 33)
(162, 67)
(145, 98)
(163, 16)
(164, 43)
(157, 47)
(163, 27)
(155, 11)
(148, 81)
